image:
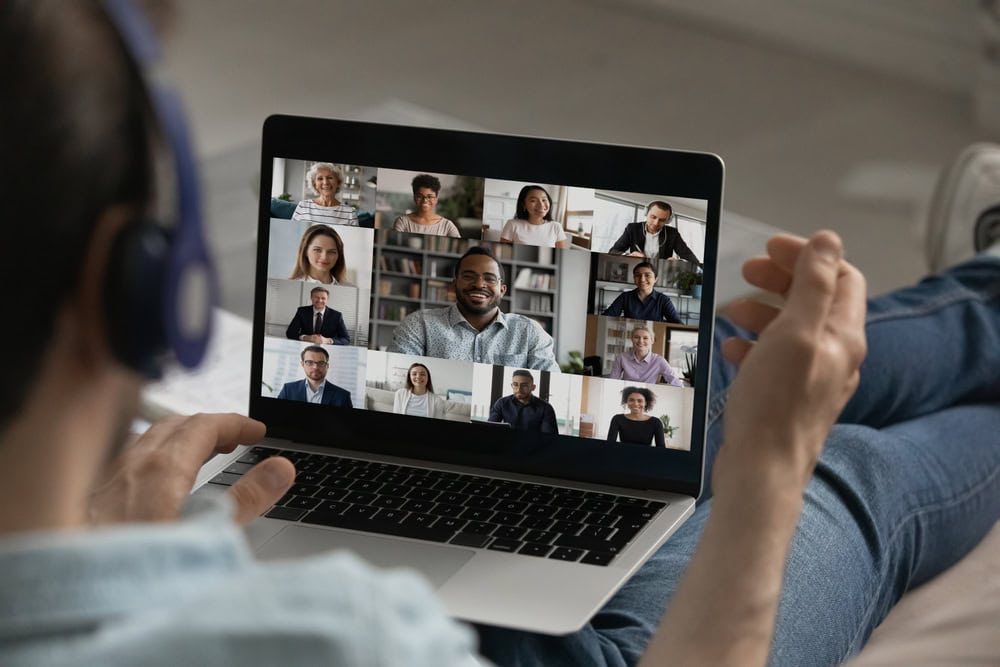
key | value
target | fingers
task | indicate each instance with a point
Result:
(261, 487)
(751, 315)
(814, 282)
(209, 434)
(784, 250)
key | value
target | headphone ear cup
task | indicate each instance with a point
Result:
(133, 296)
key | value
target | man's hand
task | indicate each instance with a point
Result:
(635, 253)
(315, 338)
(794, 381)
(152, 476)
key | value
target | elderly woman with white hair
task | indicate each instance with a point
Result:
(324, 180)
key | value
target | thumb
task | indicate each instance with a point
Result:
(261, 487)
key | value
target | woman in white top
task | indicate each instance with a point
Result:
(423, 219)
(321, 257)
(324, 181)
(533, 224)
(417, 397)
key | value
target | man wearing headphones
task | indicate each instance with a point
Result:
(654, 238)
(96, 568)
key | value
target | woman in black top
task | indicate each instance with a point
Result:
(635, 426)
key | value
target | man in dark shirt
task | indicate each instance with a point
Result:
(654, 238)
(522, 410)
(643, 302)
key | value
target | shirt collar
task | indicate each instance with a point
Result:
(456, 318)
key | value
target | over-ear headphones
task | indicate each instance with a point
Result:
(987, 229)
(161, 285)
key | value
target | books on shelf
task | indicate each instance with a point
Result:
(408, 265)
(394, 311)
(439, 290)
(528, 279)
(540, 303)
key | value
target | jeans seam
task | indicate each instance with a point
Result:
(946, 301)
(897, 532)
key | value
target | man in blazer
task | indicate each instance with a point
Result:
(654, 239)
(331, 330)
(314, 388)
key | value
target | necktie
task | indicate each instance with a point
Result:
(319, 323)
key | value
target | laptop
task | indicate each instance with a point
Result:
(478, 453)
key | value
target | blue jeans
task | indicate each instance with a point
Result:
(909, 482)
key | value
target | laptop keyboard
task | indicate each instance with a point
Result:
(448, 507)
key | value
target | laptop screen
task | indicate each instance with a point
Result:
(512, 303)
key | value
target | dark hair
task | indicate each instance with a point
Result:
(521, 213)
(319, 289)
(524, 373)
(479, 250)
(660, 204)
(74, 104)
(313, 348)
(643, 265)
(301, 269)
(645, 393)
(409, 383)
(426, 181)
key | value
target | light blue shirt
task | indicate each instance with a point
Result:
(314, 396)
(509, 340)
(191, 593)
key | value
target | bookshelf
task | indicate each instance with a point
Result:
(414, 271)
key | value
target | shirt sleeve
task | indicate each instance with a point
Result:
(507, 231)
(342, 338)
(621, 245)
(683, 251)
(658, 433)
(399, 225)
(613, 429)
(496, 414)
(670, 375)
(617, 306)
(542, 356)
(560, 232)
(549, 423)
(353, 222)
(300, 211)
(408, 338)
(452, 230)
(668, 313)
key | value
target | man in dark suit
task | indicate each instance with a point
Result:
(317, 323)
(654, 239)
(314, 388)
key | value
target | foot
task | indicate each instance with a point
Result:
(963, 217)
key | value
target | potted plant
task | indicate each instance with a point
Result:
(668, 430)
(690, 367)
(574, 365)
(685, 280)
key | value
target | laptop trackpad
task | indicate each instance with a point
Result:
(436, 563)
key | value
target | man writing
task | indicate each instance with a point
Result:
(315, 388)
(643, 302)
(654, 239)
(318, 323)
(522, 409)
(474, 328)
(641, 364)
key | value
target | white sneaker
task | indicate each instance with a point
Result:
(956, 226)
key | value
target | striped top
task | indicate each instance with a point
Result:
(310, 211)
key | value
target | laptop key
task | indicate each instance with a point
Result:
(598, 519)
(479, 528)
(417, 505)
(510, 532)
(390, 515)
(511, 506)
(531, 549)
(508, 546)
(360, 511)
(470, 540)
(481, 502)
(474, 514)
(507, 493)
(239, 468)
(394, 502)
(313, 478)
(541, 536)
(360, 498)
(566, 554)
(394, 490)
(597, 558)
(451, 524)
(303, 489)
(596, 532)
(338, 482)
(507, 518)
(451, 498)
(597, 506)
(536, 522)
(588, 544)
(570, 515)
(444, 509)
(225, 479)
(570, 502)
(285, 513)
(422, 494)
(567, 527)
(418, 519)
(333, 507)
(366, 486)
(303, 502)
(405, 529)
